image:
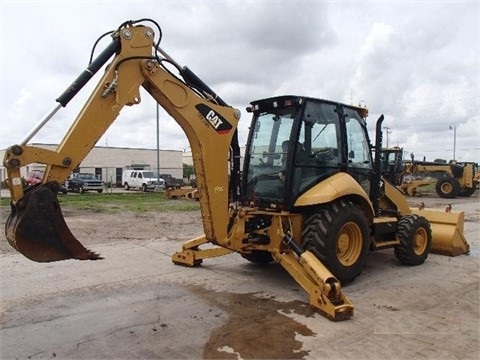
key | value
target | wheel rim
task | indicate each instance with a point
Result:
(420, 241)
(349, 244)
(446, 188)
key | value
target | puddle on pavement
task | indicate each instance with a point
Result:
(257, 327)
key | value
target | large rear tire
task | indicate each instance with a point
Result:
(338, 234)
(415, 236)
(448, 188)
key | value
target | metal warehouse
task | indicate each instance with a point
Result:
(109, 163)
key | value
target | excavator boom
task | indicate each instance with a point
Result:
(36, 226)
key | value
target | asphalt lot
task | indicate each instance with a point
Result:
(136, 304)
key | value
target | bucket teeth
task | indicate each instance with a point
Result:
(37, 229)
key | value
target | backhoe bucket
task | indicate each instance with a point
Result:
(37, 229)
(447, 231)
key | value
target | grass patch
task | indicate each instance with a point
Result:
(119, 202)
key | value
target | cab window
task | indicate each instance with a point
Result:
(357, 143)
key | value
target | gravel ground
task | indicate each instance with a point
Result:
(136, 304)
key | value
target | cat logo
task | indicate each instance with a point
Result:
(216, 121)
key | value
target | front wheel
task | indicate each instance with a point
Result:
(338, 234)
(415, 240)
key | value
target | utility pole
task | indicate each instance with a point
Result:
(158, 146)
(454, 128)
(388, 133)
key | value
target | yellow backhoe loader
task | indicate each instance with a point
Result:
(310, 195)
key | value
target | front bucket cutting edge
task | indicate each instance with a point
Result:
(447, 231)
(37, 229)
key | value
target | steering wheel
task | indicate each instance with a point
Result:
(324, 154)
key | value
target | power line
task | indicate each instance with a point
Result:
(436, 99)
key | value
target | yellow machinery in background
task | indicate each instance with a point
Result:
(451, 180)
(182, 193)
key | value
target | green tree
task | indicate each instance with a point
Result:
(188, 171)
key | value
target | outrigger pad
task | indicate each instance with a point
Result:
(36, 228)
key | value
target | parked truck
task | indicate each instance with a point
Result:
(81, 182)
(171, 182)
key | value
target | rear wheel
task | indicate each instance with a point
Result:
(338, 234)
(448, 188)
(125, 186)
(415, 236)
(467, 192)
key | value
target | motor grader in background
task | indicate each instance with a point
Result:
(451, 180)
(310, 195)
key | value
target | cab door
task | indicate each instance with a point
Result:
(133, 179)
(359, 159)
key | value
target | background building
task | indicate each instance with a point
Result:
(109, 163)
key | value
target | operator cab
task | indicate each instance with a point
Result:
(392, 165)
(296, 142)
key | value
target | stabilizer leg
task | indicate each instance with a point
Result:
(316, 280)
(191, 255)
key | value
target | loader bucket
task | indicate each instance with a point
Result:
(447, 231)
(37, 229)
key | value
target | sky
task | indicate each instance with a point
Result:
(416, 62)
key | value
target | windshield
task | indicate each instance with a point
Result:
(87, 176)
(313, 154)
(268, 154)
(149, 175)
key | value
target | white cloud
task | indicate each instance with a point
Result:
(415, 62)
(422, 74)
